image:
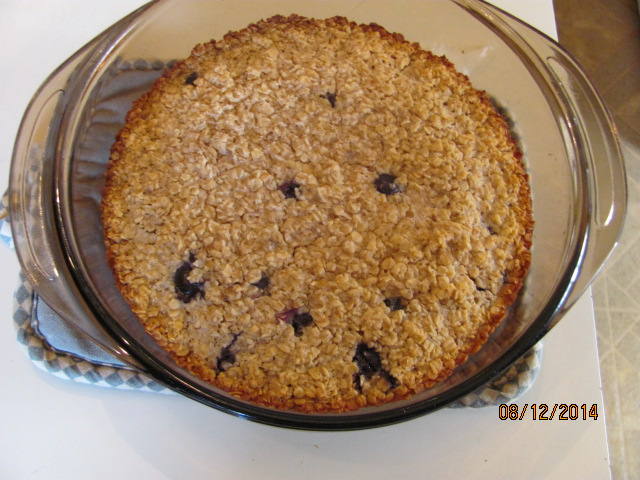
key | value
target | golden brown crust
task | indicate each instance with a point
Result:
(250, 225)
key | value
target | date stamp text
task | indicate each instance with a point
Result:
(543, 411)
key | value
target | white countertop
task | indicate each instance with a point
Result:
(55, 429)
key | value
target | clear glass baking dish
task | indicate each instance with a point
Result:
(569, 142)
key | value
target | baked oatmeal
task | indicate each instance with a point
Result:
(317, 215)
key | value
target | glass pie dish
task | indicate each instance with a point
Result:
(569, 143)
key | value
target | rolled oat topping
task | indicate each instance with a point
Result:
(317, 215)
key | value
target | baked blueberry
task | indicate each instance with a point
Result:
(297, 319)
(395, 303)
(289, 189)
(263, 283)
(191, 78)
(367, 360)
(369, 364)
(331, 97)
(301, 320)
(185, 289)
(226, 355)
(386, 183)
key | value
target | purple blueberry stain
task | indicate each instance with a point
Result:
(185, 289)
(287, 315)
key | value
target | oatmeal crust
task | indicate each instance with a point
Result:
(317, 215)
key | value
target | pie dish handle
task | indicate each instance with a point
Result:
(591, 138)
(595, 141)
(32, 210)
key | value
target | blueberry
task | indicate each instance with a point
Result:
(386, 183)
(301, 320)
(357, 381)
(369, 364)
(391, 380)
(185, 289)
(226, 355)
(289, 189)
(367, 360)
(297, 319)
(263, 283)
(395, 303)
(191, 79)
(331, 97)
